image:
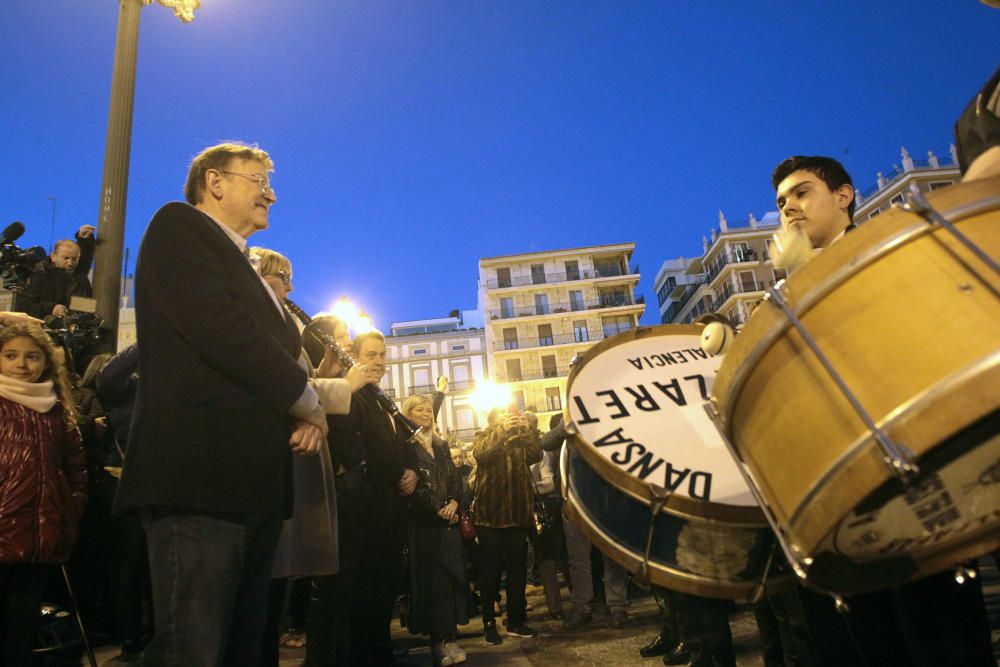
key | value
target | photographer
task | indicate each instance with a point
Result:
(61, 276)
(503, 504)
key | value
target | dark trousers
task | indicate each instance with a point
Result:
(132, 579)
(350, 612)
(704, 627)
(510, 545)
(210, 580)
(21, 587)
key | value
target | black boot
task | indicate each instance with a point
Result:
(679, 655)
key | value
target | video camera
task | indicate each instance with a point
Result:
(16, 264)
(78, 328)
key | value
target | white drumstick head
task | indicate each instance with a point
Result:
(716, 338)
(790, 248)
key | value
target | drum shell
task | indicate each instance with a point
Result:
(705, 548)
(616, 521)
(911, 320)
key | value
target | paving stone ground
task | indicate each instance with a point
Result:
(595, 644)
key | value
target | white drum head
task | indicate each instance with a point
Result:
(639, 404)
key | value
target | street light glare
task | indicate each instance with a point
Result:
(183, 9)
(489, 394)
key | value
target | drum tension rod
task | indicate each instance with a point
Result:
(659, 499)
(917, 203)
(897, 458)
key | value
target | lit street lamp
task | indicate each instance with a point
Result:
(114, 184)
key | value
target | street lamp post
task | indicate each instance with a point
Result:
(114, 184)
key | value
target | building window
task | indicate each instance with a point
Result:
(518, 397)
(545, 334)
(416, 351)
(575, 300)
(742, 252)
(608, 267)
(464, 419)
(549, 369)
(779, 274)
(537, 274)
(553, 399)
(510, 339)
(541, 304)
(506, 307)
(937, 185)
(573, 270)
(615, 297)
(898, 199)
(513, 370)
(458, 348)
(747, 281)
(503, 277)
(580, 333)
(614, 325)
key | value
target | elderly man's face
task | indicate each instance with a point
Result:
(66, 256)
(247, 196)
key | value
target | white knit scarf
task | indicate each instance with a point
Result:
(37, 396)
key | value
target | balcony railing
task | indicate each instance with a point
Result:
(558, 339)
(389, 391)
(462, 385)
(566, 277)
(728, 290)
(465, 434)
(421, 389)
(612, 301)
(537, 374)
(736, 256)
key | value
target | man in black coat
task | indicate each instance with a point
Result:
(221, 405)
(61, 276)
(351, 612)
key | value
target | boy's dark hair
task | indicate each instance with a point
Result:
(827, 169)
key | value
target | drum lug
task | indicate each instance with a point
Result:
(917, 203)
(840, 604)
(898, 458)
(962, 574)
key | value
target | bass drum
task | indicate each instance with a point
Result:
(647, 476)
(908, 318)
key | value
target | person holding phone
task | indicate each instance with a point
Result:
(504, 452)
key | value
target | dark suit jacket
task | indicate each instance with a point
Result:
(49, 285)
(217, 375)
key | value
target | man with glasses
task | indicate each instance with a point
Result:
(221, 406)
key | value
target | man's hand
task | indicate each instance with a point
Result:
(9, 319)
(407, 483)
(448, 511)
(59, 310)
(442, 385)
(512, 423)
(85, 231)
(306, 438)
(318, 419)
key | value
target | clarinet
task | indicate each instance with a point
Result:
(346, 361)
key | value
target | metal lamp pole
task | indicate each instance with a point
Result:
(114, 184)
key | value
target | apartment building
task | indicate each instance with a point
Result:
(418, 352)
(909, 175)
(729, 278)
(542, 308)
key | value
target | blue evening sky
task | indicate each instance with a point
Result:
(412, 137)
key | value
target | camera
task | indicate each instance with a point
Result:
(17, 263)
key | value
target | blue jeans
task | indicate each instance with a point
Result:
(210, 580)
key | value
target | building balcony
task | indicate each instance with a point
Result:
(536, 374)
(728, 291)
(557, 339)
(536, 310)
(390, 392)
(465, 434)
(567, 277)
(421, 389)
(722, 260)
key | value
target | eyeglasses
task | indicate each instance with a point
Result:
(262, 181)
(286, 278)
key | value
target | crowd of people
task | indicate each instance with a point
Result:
(237, 464)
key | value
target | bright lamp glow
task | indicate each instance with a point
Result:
(357, 321)
(489, 394)
(183, 9)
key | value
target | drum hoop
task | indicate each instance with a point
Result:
(737, 515)
(686, 582)
(806, 301)
(921, 400)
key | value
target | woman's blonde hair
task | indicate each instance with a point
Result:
(272, 262)
(413, 401)
(54, 368)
